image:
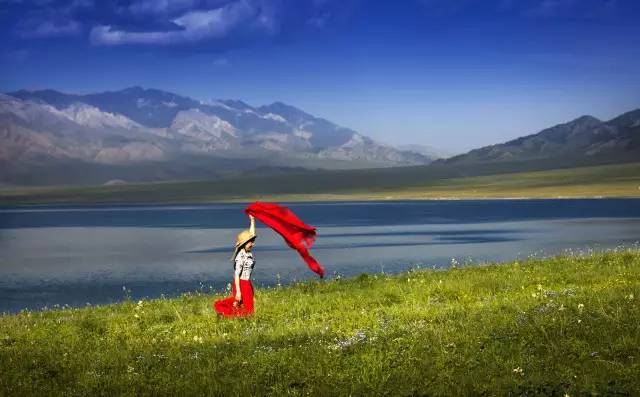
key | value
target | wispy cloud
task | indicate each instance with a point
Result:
(191, 26)
(173, 23)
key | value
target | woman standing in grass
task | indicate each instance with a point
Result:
(240, 303)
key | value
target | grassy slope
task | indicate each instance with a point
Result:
(555, 326)
(408, 183)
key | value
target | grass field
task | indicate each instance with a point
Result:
(558, 326)
(621, 180)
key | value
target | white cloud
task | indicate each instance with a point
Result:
(193, 26)
(176, 23)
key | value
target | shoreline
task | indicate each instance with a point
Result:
(310, 200)
(632, 247)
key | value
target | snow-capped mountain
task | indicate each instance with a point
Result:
(91, 116)
(36, 132)
(139, 125)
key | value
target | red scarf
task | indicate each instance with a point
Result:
(290, 227)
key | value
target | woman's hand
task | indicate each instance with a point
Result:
(238, 297)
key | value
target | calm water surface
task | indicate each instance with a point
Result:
(57, 255)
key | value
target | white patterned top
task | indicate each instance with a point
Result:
(244, 264)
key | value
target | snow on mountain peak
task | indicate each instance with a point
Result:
(196, 123)
(91, 116)
(356, 139)
(276, 117)
(303, 134)
(179, 124)
(214, 102)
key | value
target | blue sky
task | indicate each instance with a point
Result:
(453, 74)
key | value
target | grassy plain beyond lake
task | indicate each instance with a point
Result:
(563, 325)
(405, 183)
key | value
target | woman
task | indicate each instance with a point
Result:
(240, 303)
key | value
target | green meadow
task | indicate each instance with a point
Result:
(566, 325)
(406, 183)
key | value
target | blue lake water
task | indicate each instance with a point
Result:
(71, 255)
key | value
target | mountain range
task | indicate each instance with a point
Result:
(139, 134)
(585, 140)
(136, 134)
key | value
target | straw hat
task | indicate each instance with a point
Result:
(243, 237)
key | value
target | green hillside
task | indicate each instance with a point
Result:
(553, 327)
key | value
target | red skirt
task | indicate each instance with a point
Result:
(225, 306)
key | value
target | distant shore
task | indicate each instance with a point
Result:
(313, 199)
(607, 181)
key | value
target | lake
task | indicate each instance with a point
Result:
(59, 255)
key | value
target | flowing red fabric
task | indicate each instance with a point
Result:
(295, 232)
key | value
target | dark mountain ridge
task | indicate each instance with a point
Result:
(585, 137)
